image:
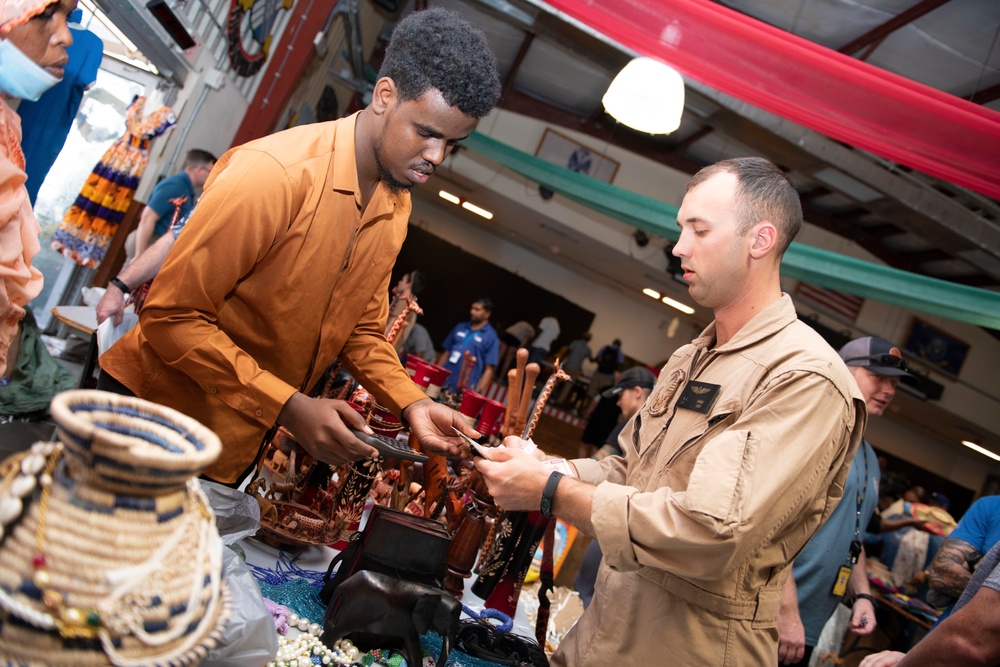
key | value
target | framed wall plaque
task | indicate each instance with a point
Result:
(936, 348)
(561, 150)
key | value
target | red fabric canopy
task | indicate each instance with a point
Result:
(843, 98)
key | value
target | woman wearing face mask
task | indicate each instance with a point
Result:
(33, 41)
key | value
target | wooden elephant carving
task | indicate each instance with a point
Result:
(382, 611)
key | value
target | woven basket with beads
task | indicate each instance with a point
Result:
(114, 558)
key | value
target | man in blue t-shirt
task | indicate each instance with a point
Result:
(480, 340)
(832, 564)
(951, 570)
(155, 218)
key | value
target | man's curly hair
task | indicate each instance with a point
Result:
(437, 48)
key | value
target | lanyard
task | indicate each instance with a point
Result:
(859, 496)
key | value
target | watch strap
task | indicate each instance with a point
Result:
(865, 596)
(120, 284)
(549, 493)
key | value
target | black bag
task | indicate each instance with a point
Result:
(406, 546)
(483, 641)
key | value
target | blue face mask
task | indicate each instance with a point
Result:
(20, 76)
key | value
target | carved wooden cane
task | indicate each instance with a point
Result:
(517, 534)
(397, 325)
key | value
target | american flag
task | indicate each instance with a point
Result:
(846, 305)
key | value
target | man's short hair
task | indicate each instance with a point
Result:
(437, 48)
(486, 302)
(763, 192)
(197, 158)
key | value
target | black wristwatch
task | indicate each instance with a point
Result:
(549, 494)
(865, 596)
(117, 282)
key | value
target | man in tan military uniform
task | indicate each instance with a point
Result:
(735, 460)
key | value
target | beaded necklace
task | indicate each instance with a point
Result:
(306, 649)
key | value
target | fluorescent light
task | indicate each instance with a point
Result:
(687, 310)
(647, 95)
(651, 292)
(984, 452)
(449, 197)
(478, 211)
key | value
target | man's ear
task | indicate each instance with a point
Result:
(765, 239)
(384, 95)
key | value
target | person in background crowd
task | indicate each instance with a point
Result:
(832, 565)
(548, 331)
(738, 456)
(240, 325)
(419, 343)
(408, 287)
(45, 124)
(609, 359)
(141, 269)
(970, 637)
(155, 218)
(480, 340)
(951, 569)
(34, 38)
(913, 529)
(577, 352)
(631, 392)
(512, 339)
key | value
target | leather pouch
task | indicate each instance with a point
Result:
(407, 546)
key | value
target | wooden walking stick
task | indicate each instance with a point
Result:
(531, 372)
(515, 380)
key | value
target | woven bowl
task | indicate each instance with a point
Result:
(132, 445)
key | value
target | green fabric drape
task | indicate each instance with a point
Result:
(813, 265)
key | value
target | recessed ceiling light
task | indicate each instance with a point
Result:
(984, 452)
(684, 308)
(651, 292)
(478, 211)
(449, 197)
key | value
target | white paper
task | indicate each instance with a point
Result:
(108, 334)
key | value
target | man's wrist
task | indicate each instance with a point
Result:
(120, 284)
(864, 596)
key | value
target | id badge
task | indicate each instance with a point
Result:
(840, 585)
(455, 356)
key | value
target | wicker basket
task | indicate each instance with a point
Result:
(118, 562)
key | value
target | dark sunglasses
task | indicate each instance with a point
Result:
(890, 360)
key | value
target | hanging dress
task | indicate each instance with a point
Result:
(91, 223)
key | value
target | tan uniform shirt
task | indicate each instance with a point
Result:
(701, 517)
(20, 282)
(277, 273)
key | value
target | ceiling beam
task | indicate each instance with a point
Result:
(879, 32)
(986, 95)
(508, 83)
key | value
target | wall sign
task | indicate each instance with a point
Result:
(249, 31)
(938, 349)
(565, 152)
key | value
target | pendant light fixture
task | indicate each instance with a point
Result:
(647, 95)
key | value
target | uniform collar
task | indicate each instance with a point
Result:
(769, 321)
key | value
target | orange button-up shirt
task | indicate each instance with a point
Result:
(278, 272)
